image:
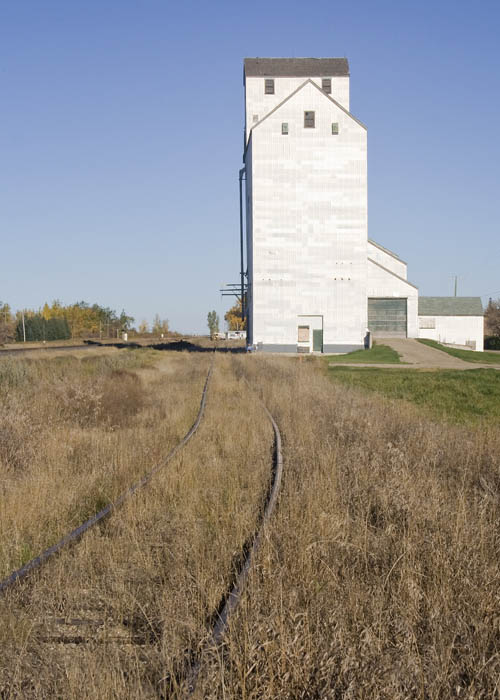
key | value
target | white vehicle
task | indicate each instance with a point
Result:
(236, 335)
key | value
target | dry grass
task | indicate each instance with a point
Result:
(139, 591)
(75, 433)
(378, 576)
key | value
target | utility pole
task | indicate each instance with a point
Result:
(456, 277)
(24, 327)
(242, 268)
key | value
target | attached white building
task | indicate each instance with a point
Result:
(315, 280)
(452, 321)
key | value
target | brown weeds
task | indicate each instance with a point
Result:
(377, 578)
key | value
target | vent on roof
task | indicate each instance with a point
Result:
(269, 86)
(326, 85)
(309, 120)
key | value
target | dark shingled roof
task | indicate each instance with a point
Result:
(296, 67)
(450, 306)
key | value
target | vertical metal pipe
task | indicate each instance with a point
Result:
(242, 268)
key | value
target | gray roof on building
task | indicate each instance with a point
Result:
(296, 67)
(450, 306)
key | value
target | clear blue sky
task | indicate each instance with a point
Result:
(121, 139)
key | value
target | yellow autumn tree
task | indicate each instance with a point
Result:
(233, 318)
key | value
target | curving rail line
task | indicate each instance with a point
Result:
(78, 532)
(234, 596)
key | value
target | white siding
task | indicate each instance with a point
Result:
(382, 283)
(259, 104)
(308, 223)
(455, 330)
(387, 260)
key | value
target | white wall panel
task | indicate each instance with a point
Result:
(456, 330)
(259, 104)
(389, 261)
(309, 222)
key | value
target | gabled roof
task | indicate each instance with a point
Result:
(386, 250)
(450, 306)
(292, 94)
(296, 67)
(390, 272)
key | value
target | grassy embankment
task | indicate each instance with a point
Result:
(451, 395)
(467, 355)
(379, 353)
(378, 576)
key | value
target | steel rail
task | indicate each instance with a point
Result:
(78, 532)
(233, 598)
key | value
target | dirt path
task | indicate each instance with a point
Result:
(416, 353)
(418, 356)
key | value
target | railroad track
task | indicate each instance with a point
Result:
(80, 630)
(77, 533)
(233, 597)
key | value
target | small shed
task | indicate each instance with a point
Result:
(452, 321)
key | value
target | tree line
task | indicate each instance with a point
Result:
(60, 322)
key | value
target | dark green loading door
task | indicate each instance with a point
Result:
(387, 317)
(318, 340)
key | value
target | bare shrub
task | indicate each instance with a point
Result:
(79, 400)
(122, 397)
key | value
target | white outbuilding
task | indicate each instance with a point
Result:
(452, 321)
(315, 281)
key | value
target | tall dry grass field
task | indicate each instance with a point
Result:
(75, 432)
(378, 576)
(120, 614)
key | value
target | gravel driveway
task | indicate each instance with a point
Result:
(418, 356)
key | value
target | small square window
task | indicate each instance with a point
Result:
(326, 85)
(309, 120)
(284, 128)
(335, 128)
(303, 334)
(269, 86)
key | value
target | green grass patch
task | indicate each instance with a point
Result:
(378, 353)
(454, 395)
(490, 358)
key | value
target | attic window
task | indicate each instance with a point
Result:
(309, 120)
(255, 118)
(326, 85)
(335, 128)
(269, 86)
(284, 128)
